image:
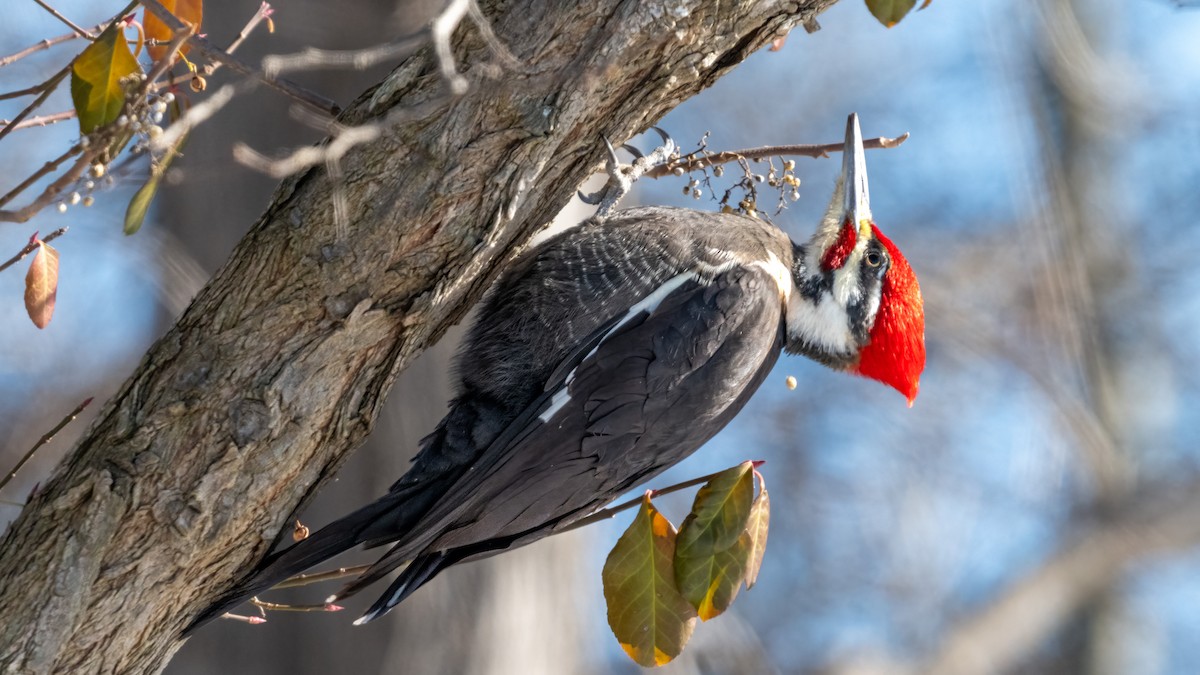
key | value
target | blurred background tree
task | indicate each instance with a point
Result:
(1035, 512)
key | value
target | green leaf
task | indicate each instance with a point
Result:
(710, 583)
(719, 513)
(889, 12)
(756, 529)
(135, 213)
(645, 611)
(96, 79)
(713, 549)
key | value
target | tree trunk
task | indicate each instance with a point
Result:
(278, 368)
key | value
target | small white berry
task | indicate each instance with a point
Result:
(89, 200)
(75, 198)
(62, 207)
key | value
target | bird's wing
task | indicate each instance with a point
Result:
(635, 398)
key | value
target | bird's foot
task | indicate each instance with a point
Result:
(621, 177)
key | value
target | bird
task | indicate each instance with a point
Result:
(610, 352)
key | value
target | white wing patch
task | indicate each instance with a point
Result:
(774, 267)
(647, 305)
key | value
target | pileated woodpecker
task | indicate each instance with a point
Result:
(609, 353)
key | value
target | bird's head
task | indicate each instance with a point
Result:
(858, 307)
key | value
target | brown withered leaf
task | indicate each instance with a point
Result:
(756, 530)
(41, 285)
(188, 11)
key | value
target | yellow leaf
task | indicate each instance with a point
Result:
(96, 76)
(41, 285)
(756, 529)
(649, 618)
(187, 11)
(713, 548)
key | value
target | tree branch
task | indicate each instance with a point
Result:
(689, 163)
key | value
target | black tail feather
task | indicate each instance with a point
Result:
(421, 570)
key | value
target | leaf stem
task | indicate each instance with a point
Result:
(605, 514)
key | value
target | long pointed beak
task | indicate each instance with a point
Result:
(854, 177)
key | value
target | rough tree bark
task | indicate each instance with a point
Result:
(279, 366)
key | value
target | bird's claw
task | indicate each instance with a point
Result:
(621, 177)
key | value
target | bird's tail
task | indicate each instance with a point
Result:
(337, 537)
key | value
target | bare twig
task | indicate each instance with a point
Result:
(252, 620)
(31, 247)
(277, 607)
(439, 32)
(313, 58)
(342, 139)
(318, 577)
(692, 164)
(220, 56)
(40, 120)
(498, 48)
(43, 200)
(43, 88)
(199, 113)
(264, 12)
(46, 438)
(48, 87)
(605, 514)
(70, 24)
(43, 45)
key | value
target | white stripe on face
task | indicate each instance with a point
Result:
(823, 324)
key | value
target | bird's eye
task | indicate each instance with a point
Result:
(874, 258)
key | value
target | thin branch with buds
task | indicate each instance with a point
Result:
(45, 89)
(277, 607)
(31, 247)
(343, 139)
(52, 190)
(43, 45)
(40, 120)
(70, 24)
(46, 438)
(221, 56)
(688, 163)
